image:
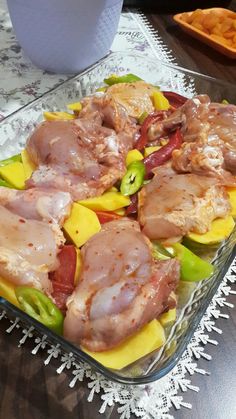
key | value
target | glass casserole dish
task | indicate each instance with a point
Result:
(194, 300)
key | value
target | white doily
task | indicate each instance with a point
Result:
(152, 401)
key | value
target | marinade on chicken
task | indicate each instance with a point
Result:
(121, 287)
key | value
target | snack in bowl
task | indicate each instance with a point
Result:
(216, 27)
(106, 280)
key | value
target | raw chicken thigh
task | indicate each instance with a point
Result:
(37, 204)
(121, 287)
(84, 156)
(172, 204)
(209, 138)
(28, 250)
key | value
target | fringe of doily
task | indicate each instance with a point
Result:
(159, 48)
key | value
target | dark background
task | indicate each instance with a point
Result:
(175, 6)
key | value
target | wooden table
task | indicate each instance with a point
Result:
(28, 390)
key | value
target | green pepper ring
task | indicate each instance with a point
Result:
(133, 179)
(40, 307)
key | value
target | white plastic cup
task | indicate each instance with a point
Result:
(65, 36)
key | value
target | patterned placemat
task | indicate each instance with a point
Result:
(21, 83)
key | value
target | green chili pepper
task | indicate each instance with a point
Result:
(127, 78)
(192, 267)
(5, 184)
(133, 179)
(102, 89)
(225, 102)
(160, 252)
(12, 159)
(142, 118)
(40, 307)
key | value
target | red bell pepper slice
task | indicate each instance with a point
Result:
(175, 99)
(132, 209)
(151, 119)
(63, 278)
(159, 157)
(105, 216)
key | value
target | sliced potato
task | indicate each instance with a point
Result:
(29, 166)
(232, 199)
(150, 150)
(78, 266)
(58, 116)
(221, 228)
(149, 338)
(14, 174)
(166, 319)
(160, 102)
(7, 291)
(133, 155)
(76, 106)
(109, 201)
(81, 225)
(120, 211)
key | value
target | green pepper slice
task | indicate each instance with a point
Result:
(142, 118)
(5, 184)
(10, 160)
(40, 307)
(127, 78)
(160, 252)
(133, 179)
(192, 267)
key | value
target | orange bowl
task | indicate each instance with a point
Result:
(227, 50)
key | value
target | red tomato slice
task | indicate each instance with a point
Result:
(64, 277)
(105, 217)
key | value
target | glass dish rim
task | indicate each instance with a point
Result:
(69, 347)
(108, 57)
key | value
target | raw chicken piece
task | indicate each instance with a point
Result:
(172, 205)
(134, 97)
(37, 204)
(204, 159)
(210, 134)
(28, 250)
(209, 131)
(121, 287)
(105, 110)
(84, 156)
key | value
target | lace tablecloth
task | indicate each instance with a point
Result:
(21, 83)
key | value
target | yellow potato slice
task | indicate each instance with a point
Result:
(58, 116)
(133, 155)
(221, 228)
(160, 102)
(109, 201)
(150, 150)
(149, 338)
(232, 199)
(7, 291)
(14, 174)
(28, 165)
(120, 212)
(81, 225)
(77, 106)
(78, 266)
(166, 319)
